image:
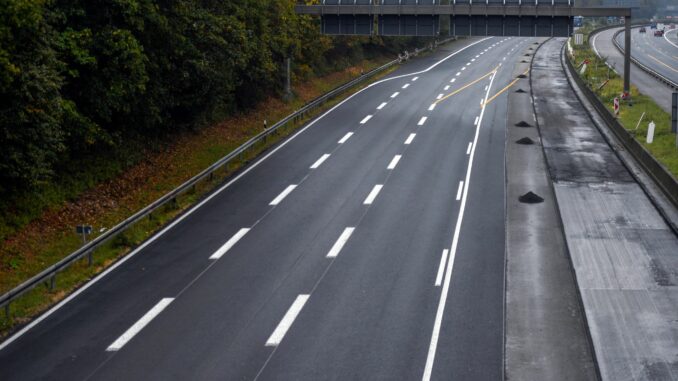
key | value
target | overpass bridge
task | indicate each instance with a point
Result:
(522, 18)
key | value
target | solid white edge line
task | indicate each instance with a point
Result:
(287, 321)
(422, 121)
(441, 268)
(428, 369)
(667, 39)
(179, 219)
(395, 94)
(366, 119)
(339, 244)
(373, 194)
(394, 162)
(230, 243)
(282, 195)
(345, 138)
(139, 325)
(468, 150)
(320, 161)
(461, 188)
(410, 138)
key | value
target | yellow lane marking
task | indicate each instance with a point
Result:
(656, 59)
(466, 86)
(505, 88)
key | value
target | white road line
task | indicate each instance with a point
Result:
(406, 85)
(230, 243)
(410, 138)
(473, 60)
(282, 195)
(503, 59)
(468, 64)
(422, 121)
(341, 241)
(382, 105)
(395, 94)
(435, 335)
(287, 320)
(394, 162)
(366, 119)
(440, 96)
(432, 107)
(373, 194)
(476, 122)
(214, 194)
(447, 87)
(139, 325)
(414, 79)
(458, 73)
(477, 55)
(459, 191)
(319, 162)
(468, 150)
(485, 88)
(463, 68)
(452, 80)
(441, 268)
(345, 138)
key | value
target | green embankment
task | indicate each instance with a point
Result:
(597, 73)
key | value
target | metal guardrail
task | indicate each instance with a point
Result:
(48, 275)
(643, 67)
(661, 176)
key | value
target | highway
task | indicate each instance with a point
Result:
(647, 84)
(658, 53)
(370, 245)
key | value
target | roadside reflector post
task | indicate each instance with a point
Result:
(616, 107)
(650, 133)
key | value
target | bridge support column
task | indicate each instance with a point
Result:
(627, 55)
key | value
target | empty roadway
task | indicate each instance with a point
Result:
(320, 260)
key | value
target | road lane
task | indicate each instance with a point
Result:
(226, 309)
(657, 53)
(647, 84)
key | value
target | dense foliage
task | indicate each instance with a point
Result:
(83, 78)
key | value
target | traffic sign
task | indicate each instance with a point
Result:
(616, 106)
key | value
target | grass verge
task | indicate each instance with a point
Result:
(47, 239)
(607, 85)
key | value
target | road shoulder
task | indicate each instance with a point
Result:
(545, 328)
(622, 250)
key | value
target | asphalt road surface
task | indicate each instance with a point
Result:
(604, 47)
(658, 53)
(368, 246)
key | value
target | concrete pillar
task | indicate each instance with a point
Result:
(627, 55)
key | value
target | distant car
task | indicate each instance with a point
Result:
(653, 26)
(642, 30)
(659, 33)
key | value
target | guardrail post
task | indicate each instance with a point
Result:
(52, 282)
(89, 258)
(627, 55)
(7, 311)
